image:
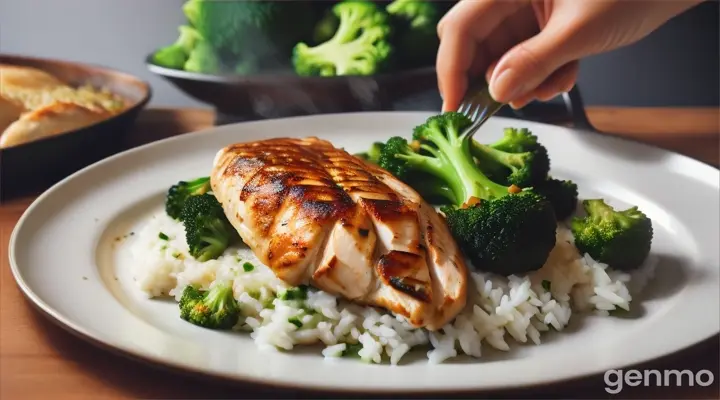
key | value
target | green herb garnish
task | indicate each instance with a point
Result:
(352, 350)
(546, 285)
(296, 293)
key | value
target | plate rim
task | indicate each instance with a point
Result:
(156, 361)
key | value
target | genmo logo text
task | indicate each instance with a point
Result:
(617, 379)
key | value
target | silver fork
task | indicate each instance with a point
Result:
(478, 105)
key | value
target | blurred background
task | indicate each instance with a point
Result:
(676, 66)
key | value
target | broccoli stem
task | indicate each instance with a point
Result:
(219, 296)
(498, 163)
(213, 241)
(199, 185)
(217, 240)
(485, 152)
(457, 168)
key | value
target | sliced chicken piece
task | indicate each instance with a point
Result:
(447, 265)
(53, 119)
(320, 216)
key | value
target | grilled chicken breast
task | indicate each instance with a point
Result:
(317, 215)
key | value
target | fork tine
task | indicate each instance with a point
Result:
(478, 105)
(464, 108)
(467, 110)
(477, 111)
(483, 114)
(470, 110)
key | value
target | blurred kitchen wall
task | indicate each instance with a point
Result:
(676, 66)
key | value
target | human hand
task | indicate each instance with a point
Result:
(529, 49)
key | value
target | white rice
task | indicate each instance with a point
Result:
(498, 309)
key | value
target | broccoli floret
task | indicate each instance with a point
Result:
(179, 193)
(207, 230)
(415, 30)
(175, 55)
(419, 13)
(359, 46)
(373, 154)
(509, 235)
(516, 159)
(265, 31)
(620, 239)
(213, 309)
(563, 195)
(501, 229)
(203, 59)
(516, 141)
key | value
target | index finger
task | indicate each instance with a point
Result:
(462, 31)
(455, 55)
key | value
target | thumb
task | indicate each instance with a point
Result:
(530, 63)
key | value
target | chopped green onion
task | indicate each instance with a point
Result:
(619, 312)
(546, 285)
(248, 267)
(163, 236)
(295, 321)
(296, 293)
(352, 350)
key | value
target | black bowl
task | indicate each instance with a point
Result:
(34, 166)
(285, 94)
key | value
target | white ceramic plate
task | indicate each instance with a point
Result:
(63, 257)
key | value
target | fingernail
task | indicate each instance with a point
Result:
(506, 87)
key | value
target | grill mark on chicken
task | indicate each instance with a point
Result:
(283, 173)
(317, 215)
(388, 210)
(404, 272)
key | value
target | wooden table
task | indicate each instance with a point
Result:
(39, 360)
